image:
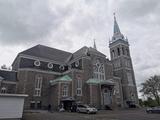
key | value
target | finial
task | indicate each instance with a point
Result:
(114, 14)
(94, 44)
(126, 38)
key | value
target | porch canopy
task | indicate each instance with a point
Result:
(101, 82)
(64, 78)
(68, 99)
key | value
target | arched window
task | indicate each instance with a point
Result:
(79, 86)
(38, 85)
(113, 53)
(123, 51)
(127, 51)
(130, 79)
(65, 91)
(98, 70)
(118, 50)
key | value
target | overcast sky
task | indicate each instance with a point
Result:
(72, 24)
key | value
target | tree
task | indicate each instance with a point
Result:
(4, 67)
(151, 88)
(141, 102)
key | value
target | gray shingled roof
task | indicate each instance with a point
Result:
(48, 53)
(58, 55)
(8, 75)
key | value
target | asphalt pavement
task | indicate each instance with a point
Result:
(130, 114)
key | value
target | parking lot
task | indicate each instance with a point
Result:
(131, 114)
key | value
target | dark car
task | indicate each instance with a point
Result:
(153, 109)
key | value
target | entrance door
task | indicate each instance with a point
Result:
(39, 104)
(107, 97)
(32, 105)
(67, 105)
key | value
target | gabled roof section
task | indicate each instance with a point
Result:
(102, 82)
(81, 52)
(94, 51)
(47, 53)
(93, 81)
(85, 51)
(64, 78)
(8, 75)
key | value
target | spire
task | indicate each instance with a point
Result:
(117, 35)
(116, 29)
(94, 46)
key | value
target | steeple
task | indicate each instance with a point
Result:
(122, 66)
(116, 29)
(94, 46)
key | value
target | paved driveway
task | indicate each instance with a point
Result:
(134, 114)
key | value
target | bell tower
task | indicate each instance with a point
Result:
(122, 66)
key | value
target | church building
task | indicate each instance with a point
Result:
(55, 77)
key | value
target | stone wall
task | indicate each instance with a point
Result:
(26, 85)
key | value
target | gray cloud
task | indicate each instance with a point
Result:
(136, 9)
(28, 20)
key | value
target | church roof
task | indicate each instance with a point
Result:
(8, 75)
(59, 56)
(47, 52)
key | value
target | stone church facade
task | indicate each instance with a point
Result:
(52, 76)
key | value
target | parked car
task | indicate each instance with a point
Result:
(153, 109)
(86, 109)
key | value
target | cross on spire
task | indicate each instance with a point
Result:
(114, 14)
